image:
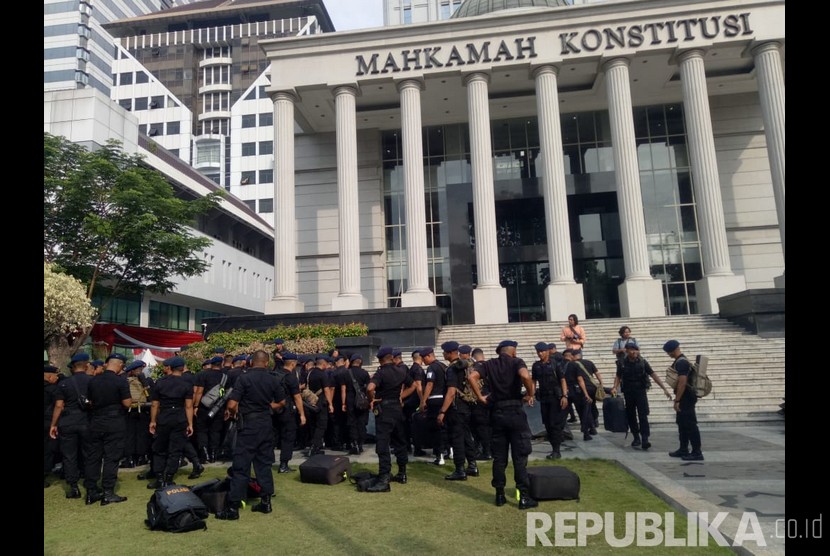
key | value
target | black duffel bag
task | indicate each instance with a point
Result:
(176, 509)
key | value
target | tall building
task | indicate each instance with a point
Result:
(402, 12)
(605, 159)
(195, 77)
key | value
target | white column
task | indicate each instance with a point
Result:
(347, 202)
(285, 298)
(563, 296)
(640, 294)
(489, 298)
(144, 311)
(770, 77)
(718, 280)
(417, 292)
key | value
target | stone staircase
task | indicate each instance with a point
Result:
(747, 371)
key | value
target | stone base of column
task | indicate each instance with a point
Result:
(418, 299)
(562, 300)
(349, 303)
(710, 288)
(641, 298)
(284, 306)
(779, 281)
(490, 305)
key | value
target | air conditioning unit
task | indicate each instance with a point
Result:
(154, 104)
(244, 181)
(153, 132)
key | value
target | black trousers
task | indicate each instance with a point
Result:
(75, 447)
(439, 434)
(636, 405)
(48, 449)
(254, 446)
(389, 432)
(480, 427)
(510, 432)
(687, 422)
(409, 409)
(458, 430)
(285, 433)
(168, 445)
(209, 430)
(554, 419)
(335, 434)
(587, 419)
(138, 438)
(319, 423)
(105, 453)
(357, 421)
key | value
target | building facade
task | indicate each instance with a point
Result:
(604, 159)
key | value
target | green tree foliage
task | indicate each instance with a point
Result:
(67, 313)
(109, 217)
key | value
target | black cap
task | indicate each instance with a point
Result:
(542, 346)
(670, 346)
(506, 343)
(383, 351)
(426, 351)
(464, 348)
(449, 346)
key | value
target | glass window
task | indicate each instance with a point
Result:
(141, 77)
(141, 103)
(126, 103)
(126, 78)
(202, 314)
(157, 101)
(266, 205)
(407, 15)
(266, 147)
(266, 176)
(156, 129)
(249, 149)
(169, 316)
(266, 118)
(248, 120)
(251, 204)
(251, 95)
(248, 178)
(123, 309)
(173, 128)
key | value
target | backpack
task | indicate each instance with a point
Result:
(698, 378)
(361, 400)
(466, 393)
(176, 509)
(600, 392)
(211, 396)
(138, 392)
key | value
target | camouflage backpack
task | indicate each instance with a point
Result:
(466, 392)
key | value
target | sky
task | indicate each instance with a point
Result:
(355, 14)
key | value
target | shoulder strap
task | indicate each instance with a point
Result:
(355, 385)
(224, 380)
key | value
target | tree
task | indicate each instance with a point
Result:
(67, 313)
(111, 219)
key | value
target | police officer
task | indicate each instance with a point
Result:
(255, 396)
(685, 399)
(480, 416)
(138, 416)
(456, 413)
(386, 388)
(279, 348)
(634, 372)
(208, 429)
(413, 402)
(321, 384)
(171, 421)
(71, 420)
(552, 394)
(50, 390)
(109, 396)
(357, 419)
(337, 433)
(505, 376)
(190, 446)
(95, 368)
(285, 419)
(433, 400)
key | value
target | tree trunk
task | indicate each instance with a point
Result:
(59, 351)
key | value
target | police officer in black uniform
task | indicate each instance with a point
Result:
(433, 400)
(413, 402)
(50, 390)
(255, 396)
(285, 419)
(337, 433)
(357, 419)
(552, 395)
(190, 446)
(685, 399)
(456, 413)
(208, 429)
(505, 376)
(171, 421)
(109, 396)
(70, 421)
(480, 416)
(138, 418)
(321, 383)
(389, 384)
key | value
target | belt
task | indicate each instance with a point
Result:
(508, 403)
(385, 402)
(436, 397)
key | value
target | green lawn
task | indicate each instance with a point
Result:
(426, 516)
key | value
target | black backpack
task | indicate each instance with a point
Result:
(176, 509)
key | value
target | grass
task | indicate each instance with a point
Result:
(426, 516)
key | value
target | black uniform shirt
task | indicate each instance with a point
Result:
(546, 374)
(255, 390)
(190, 377)
(633, 373)
(436, 374)
(207, 379)
(50, 392)
(502, 376)
(171, 393)
(456, 376)
(388, 380)
(572, 370)
(105, 392)
(417, 373)
(68, 390)
(319, 379)
(360, 375)
(233, 375)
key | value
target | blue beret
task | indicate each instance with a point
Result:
(78, 358)
(355, 357)
(551, 346)
(137, 364)
(174, 362)
(216, 360)
(288, 356)
(321, 357)
(506, 343)
(220, 350)
(426, 351)
(117, 356)
(449, 346)
(341, 355)
(384, 351)
(397, 353)
(542, 346)
(207, 362)
(50, 369)
(464, 348)
(670, 346)
(241, 357)
(97, 363)
(278, 341)
(632, 344)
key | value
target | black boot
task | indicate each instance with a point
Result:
(93, 496)
(555, 453)
(525, 501)
(203, 455)
(693, 456)
(353, 451)
(127, 463)
(646, 443)
(198, 469)
(161, 482)
(636, 442)
(457, 475)
(264, 506)
(401, 476)
(284, 467)
(111, 498)
(381, 484)
(679, 453)
(472, 469)
(142, 460)
(211, 456)
(74, 492)
(231, 511)
(147, 475)
(501, 499)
